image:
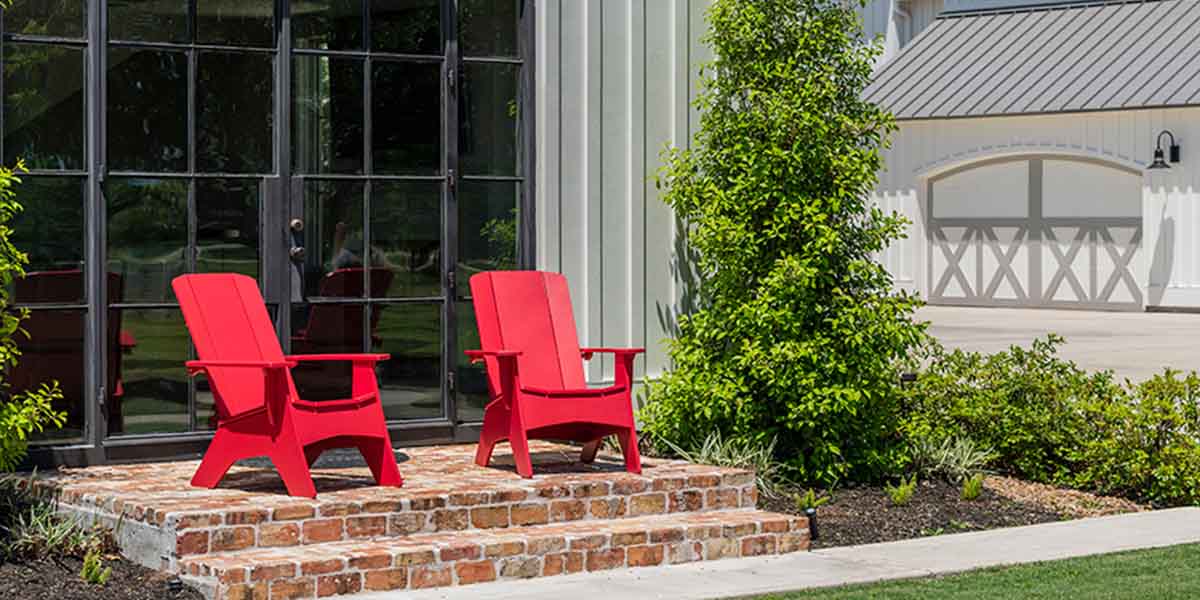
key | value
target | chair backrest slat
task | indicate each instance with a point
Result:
(529, 311)
(228, 320)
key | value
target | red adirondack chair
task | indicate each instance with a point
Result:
(258, 410)
(535, 372)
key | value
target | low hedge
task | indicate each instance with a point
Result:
(1047, 420)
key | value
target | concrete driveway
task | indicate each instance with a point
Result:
(1134, 345)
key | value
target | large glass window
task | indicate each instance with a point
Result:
(157, 151)
(191, 132)
(44, 115)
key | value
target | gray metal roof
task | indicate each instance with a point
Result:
(1085, 57)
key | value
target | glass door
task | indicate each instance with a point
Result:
(407, 137)
(371, 168)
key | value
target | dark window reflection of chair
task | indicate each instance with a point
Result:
(338, 329)
(54, 350)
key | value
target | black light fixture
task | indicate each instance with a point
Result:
(1159, 162)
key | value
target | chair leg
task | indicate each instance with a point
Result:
(629, 448)
(495, 428)
(379, 457)
(292, 465)
(222, 453)
(588, 454)
(217, 460)
(520, 452)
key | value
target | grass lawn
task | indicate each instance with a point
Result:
(1159, 573)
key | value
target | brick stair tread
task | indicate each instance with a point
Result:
(472, 556)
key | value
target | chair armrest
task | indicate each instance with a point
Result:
(587, 353)
(478, 355)
(195, 366)
(333, 357)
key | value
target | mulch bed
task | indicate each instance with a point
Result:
(866, 515)
(59, 580)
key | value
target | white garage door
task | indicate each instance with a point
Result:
(1041, 232)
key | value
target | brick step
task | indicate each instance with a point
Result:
(164, 519)
(466, 557)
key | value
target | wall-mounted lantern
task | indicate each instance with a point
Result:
(1159, 162)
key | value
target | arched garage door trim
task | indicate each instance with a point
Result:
(1012, 251)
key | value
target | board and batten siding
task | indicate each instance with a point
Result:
(1170, 252)
(615, 80)
(614, 85)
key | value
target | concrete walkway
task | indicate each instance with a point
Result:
(1134, 345)
(838, 566)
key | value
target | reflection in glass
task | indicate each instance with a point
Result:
(57, 18)
(471, 379)
(489, 27)
(43, 106)
(235, 22)
(154, 384)
(326, 329)
(148, 20)
(227, 226)
(147, 110)
(54, 351)
(327, 120)
(50, 229)
(234, 117)
(328, 24)
(334, 239)
(490, 119)
(488, 222)
(147, 235)
(407, 118)
(406, 26)
(406, 235)
(411, 381)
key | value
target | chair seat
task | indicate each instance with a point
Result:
(574, 393)
(318, 405)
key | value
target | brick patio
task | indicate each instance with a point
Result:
(452, 523)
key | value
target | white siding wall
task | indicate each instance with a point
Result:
(615, 79)
(1170, 251)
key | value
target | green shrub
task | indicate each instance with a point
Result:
(1049, 421)
(25, 413)
(94, 571)
(1023, 404)
(902, 492)
(798, 333)
(1144, 443)
(972, 487)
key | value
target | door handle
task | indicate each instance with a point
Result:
(296, 253)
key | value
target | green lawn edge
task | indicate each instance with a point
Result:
(1158, 573)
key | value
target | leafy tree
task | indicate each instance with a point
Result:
(25, 412)
(799, 334)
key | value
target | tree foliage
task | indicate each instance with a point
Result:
(799, 333)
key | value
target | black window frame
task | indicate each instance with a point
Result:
(278, 203)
